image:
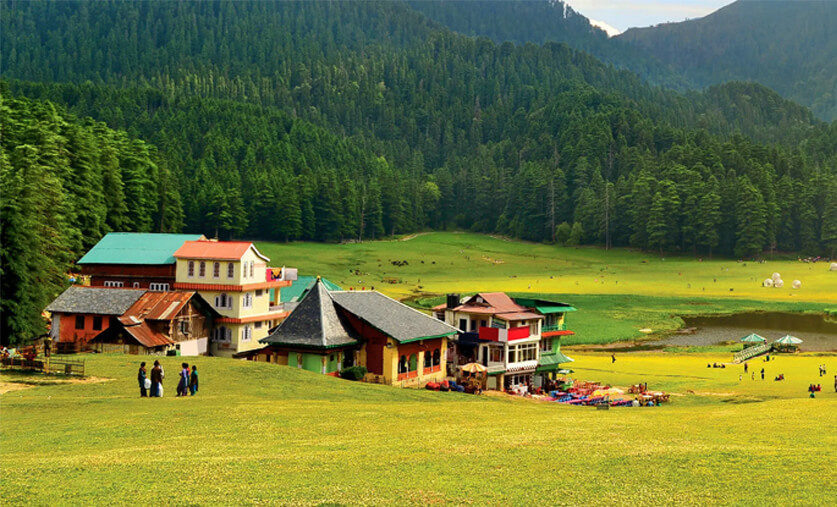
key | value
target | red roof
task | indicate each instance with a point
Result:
(216, 250)
(143, 333)
(159, 305)
(498, 304)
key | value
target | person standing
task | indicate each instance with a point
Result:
(156, 380)
(184, 380)
(141, 377)
(612, 358)
(762, 373)
(745, 367)
(193, 380)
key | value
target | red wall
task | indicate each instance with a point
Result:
(376, 341)
(69, 333)
(128, 274)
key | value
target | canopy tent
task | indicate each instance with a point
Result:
(789, 340)
(753, 338)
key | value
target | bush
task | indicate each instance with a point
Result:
(353, 373)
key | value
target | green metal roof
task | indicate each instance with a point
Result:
(550, 362)
(301, 286)
(137, 248)
(543, 306)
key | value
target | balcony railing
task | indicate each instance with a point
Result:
(553, 327)
(280, 307)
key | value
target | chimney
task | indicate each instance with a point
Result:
(452, 301)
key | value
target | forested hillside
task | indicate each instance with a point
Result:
(334, 121)
(65, 182)
(542, 21)
(789, 46)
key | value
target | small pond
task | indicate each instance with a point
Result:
(817, 333)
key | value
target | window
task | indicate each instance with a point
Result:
(437, 357)
(97, 323)
(202, 270)
(258, 325)
(79, 321)
(413, 362)
(499, 324)
(223, 301)
(248, 300)
(114, 284)
(428, 359)
(216, 270)
(440, 316)
(136, 285)
(191, 271)
(252, 266)
(158, 287)
(246, 333)
(495, 354)
(525, 352)
(243, 269)
(546, 344)
(184, 326)
(463, 325)
(222, 334)
(402, 365)
(259, 293)
(230, 270)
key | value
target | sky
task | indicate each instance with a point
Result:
(620, 15)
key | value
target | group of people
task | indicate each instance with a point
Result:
(823, 371)
(187, 380)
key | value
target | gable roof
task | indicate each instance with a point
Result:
(136, 248)
(157, 306)
(498, 304)
(98, 301)
(391, 317)
(314, 323)
(216, 250)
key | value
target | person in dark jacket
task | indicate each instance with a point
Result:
(183, 383)
(156, 379)
(141, 376)
(193, 380)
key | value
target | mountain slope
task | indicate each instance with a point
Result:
(789, 46)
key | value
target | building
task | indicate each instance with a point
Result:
(401, 346)
(134, 260)
(135, 321)
(553, 328)
(234, 278)
(329, 331)
(160, 322)
(291, 296)
(314, 337)
(496, 332)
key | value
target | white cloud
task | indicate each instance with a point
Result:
(627, 13)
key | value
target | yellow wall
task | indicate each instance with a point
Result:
(182, 272)
(390, 375)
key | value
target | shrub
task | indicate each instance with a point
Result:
(353, 373)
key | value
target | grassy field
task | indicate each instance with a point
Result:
(261, 434)
(618, 292)
(442, 262)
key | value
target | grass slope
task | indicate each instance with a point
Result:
(442, 262)
(266, 434)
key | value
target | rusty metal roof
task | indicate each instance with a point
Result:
(159, 305)
(143, 333)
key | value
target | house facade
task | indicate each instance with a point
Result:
(134, 260)
(498, 333)
(235, 279)
(553, 328)
(79, 314)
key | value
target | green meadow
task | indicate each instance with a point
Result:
(263, 434)
(617, 292)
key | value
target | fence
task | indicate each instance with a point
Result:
(46, 365)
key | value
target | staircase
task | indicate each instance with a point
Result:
(749, 352)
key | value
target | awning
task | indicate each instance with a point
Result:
(554, 309)
(551, 362)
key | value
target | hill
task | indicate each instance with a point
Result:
(789, 46)
(268, 434)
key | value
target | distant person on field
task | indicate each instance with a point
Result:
(156, 380)
(612, 358)
(141, 377)
(184, 380)
(835, 383)
(762, 373)
(745, 367)
(193, 380)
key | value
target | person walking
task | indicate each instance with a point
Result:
(184, 380)
(156, 380)
(193, 380)
(745, 367)
(141, 378)
(612, 358)
(762, 373)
